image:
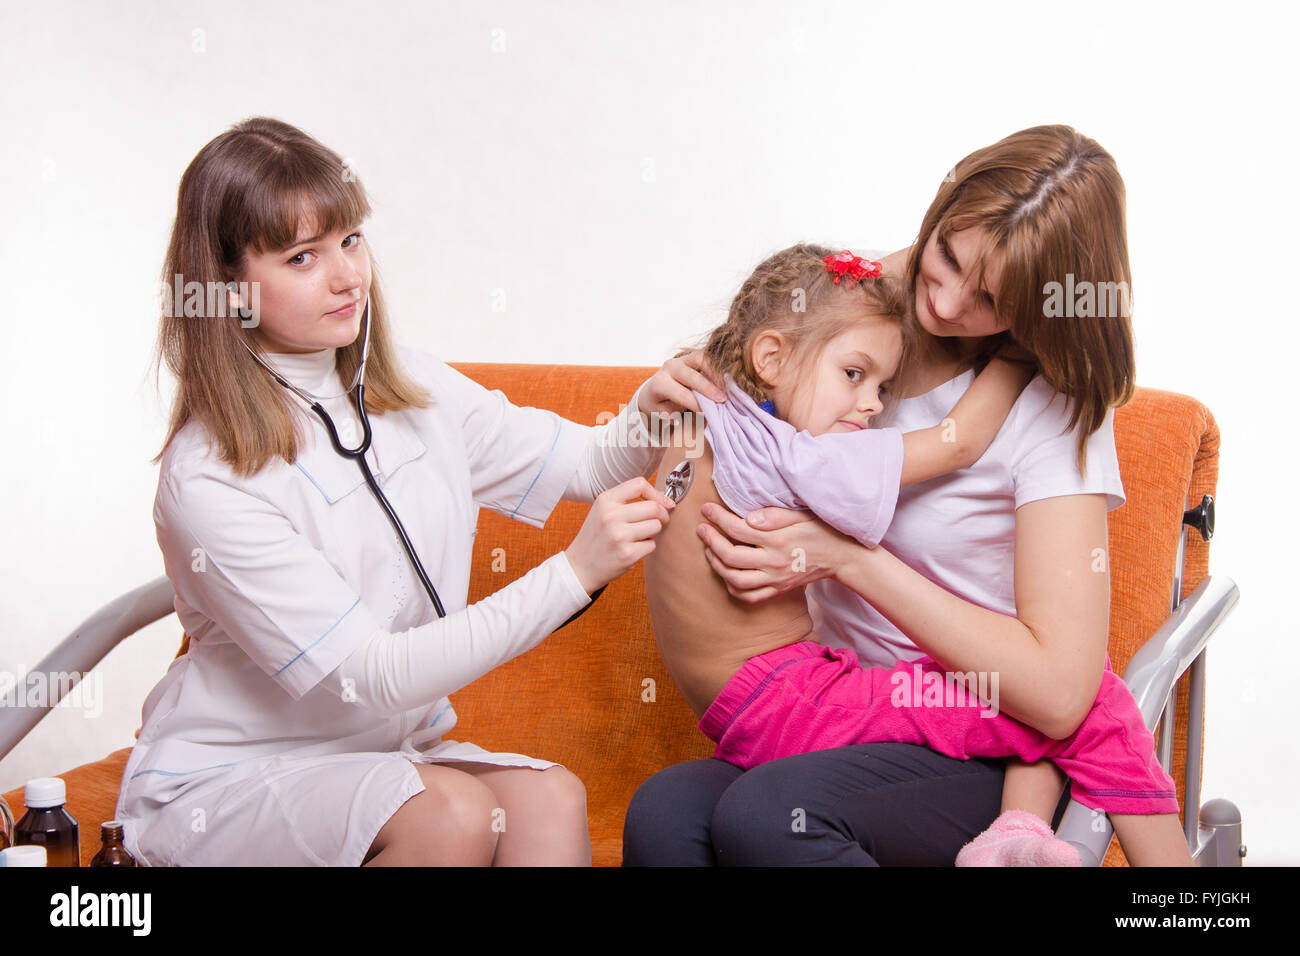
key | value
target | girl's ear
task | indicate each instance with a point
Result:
(768, 352)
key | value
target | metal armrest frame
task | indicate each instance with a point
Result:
(80, 651)
(1177, 646)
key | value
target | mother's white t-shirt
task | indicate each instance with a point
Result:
(959, 529)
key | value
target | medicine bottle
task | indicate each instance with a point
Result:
(23, 856)
(113, 852)
(46, 823)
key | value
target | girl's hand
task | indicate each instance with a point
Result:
(669, 389)
(792, 549)
(619, 531)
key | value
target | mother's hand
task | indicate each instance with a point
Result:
(772, 550)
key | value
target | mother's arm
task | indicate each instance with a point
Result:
(1048, 659)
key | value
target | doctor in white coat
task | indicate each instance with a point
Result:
(307, 723)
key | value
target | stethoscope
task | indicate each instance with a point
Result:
(358, 454)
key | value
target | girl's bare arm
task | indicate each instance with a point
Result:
(962, 438)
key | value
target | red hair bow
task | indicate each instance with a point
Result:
(855, 267)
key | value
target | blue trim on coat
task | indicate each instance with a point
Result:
(527, 491)
(180, 773)
(318, 640)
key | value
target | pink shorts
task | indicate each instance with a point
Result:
(807, 697)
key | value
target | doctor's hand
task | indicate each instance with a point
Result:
(771, 551)
(669, 389)
(619, 532)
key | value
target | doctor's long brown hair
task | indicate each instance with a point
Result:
(1052, 203)
(251, 187)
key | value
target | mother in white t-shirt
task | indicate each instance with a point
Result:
(996, 568)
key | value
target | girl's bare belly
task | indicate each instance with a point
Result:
(705, 634)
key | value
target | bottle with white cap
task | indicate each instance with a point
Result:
(48, 824)
(23, 856)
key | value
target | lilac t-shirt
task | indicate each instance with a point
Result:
(848, 480)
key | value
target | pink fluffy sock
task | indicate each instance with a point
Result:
(1018, 838)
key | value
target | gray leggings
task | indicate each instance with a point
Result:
(882, 804)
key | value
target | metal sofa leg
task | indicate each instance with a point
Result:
(1089, 830)
(1219, 835)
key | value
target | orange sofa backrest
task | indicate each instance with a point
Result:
(596, 697)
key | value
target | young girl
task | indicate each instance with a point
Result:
(307, 722)
(762, 685)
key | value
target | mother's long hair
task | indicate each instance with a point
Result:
(251, 188)
(1052, 204)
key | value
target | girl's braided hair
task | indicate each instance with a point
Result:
(792, 292)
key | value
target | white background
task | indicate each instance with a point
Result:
(616, 169)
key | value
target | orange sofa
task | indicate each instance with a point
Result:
(596, 697)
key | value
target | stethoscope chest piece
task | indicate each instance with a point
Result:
(678, 482)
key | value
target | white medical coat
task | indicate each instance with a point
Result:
(279, 577)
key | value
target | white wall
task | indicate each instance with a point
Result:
(617, 169)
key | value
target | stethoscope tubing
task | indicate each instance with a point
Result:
(357, 390)
(359, 455)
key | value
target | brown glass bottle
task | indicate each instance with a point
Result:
(112, 853)
(47, 823)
